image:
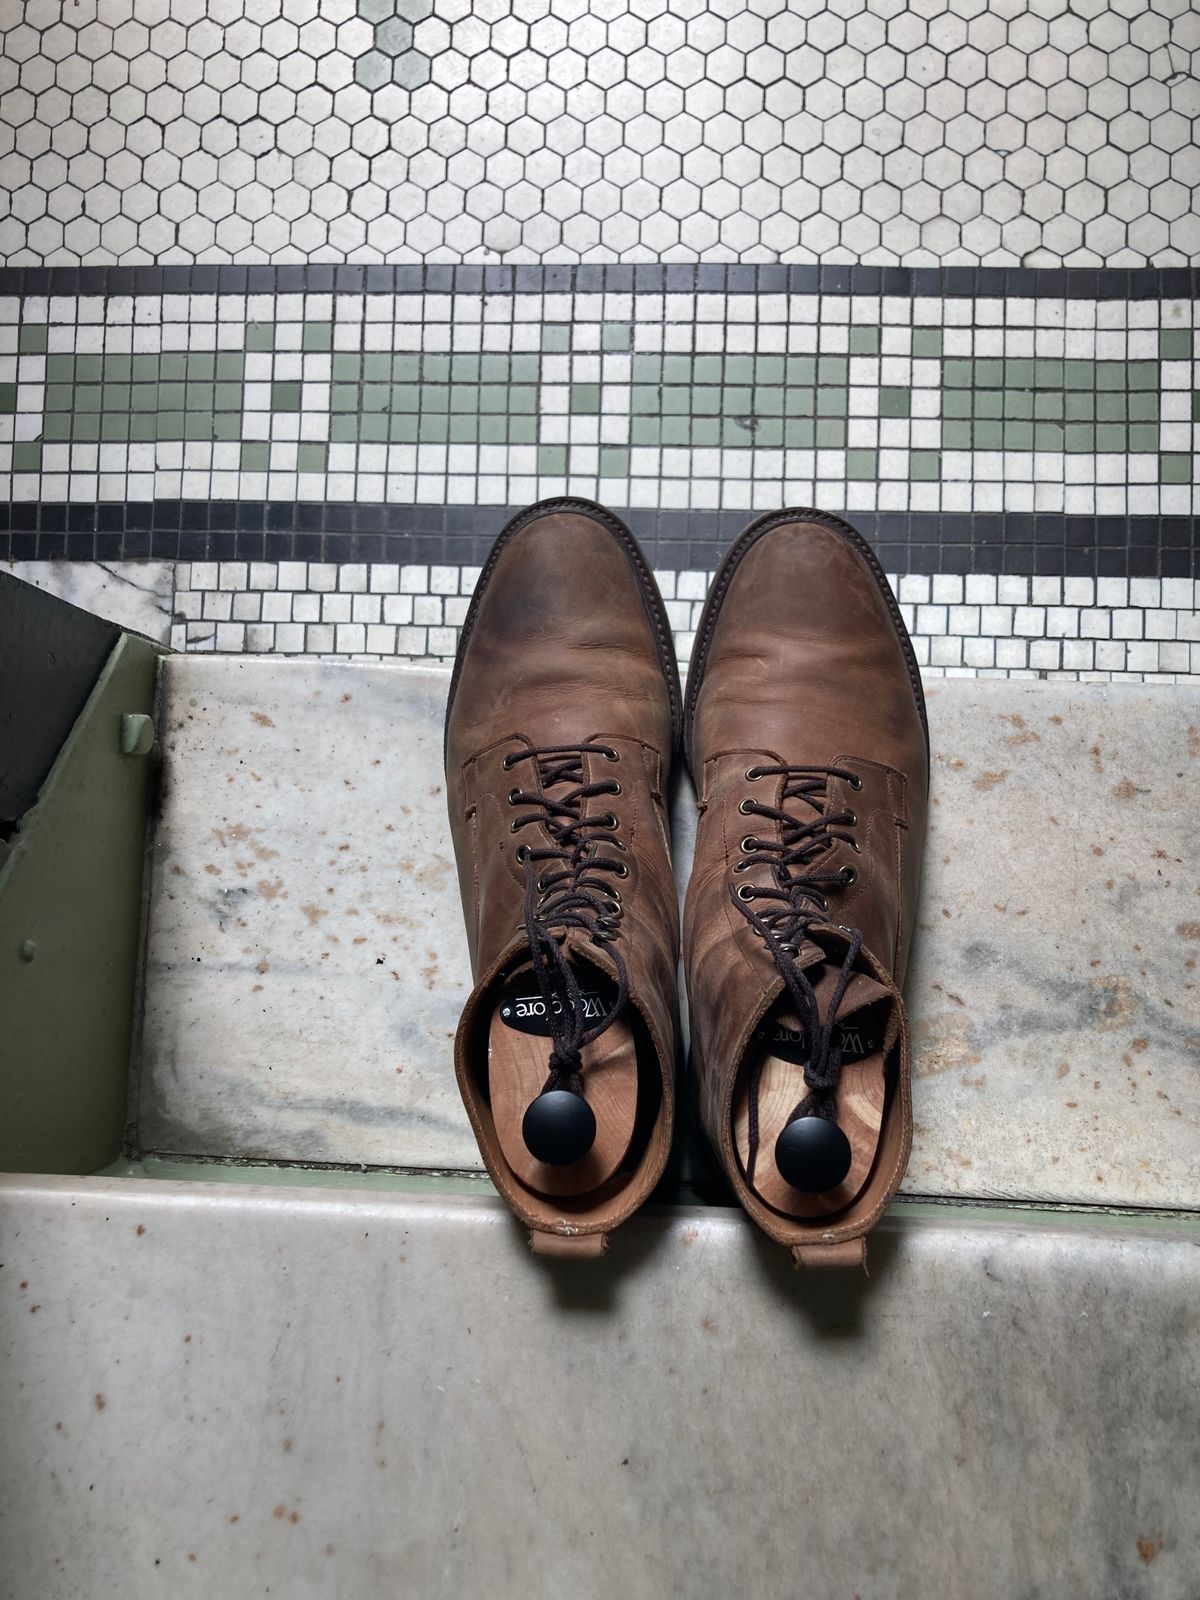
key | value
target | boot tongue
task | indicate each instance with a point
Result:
(783, 1031)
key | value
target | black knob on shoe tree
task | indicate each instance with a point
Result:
(559, 1128)
(813, 1155)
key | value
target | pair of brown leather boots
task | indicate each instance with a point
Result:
(804, 729)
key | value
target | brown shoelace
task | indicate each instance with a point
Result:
(796, 902)
(570, 893)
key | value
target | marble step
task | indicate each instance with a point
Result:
(998, 1410)
(306, 965)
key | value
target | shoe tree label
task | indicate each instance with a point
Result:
(527, 1013)
(791, 1044)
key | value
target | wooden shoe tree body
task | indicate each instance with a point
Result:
(778, 1049)
(519, 1047)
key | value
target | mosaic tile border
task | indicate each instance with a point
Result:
(698, 402)
(1078, 628)
(678, 277)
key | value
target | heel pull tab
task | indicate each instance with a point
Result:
(849, 1253)
(569, 1246)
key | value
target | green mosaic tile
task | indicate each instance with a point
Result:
(707, 369)
(833, 402)
(523, 400)
(739, 432)
(706, 400)
(87, 397)
(1079, 436)
(830, 435)
(285, 395)
(114, 427)
(85, 427)
(676, 431)
(990, 402)
(464, 429)
(1017, 436)
(56, 427)
(1048, 436)
(27, 455)
(862, 465)
(556, 337)
(924, 465)
(739, 369)
(645, 431)
(616, 336)
(1175, 468)
(674, 402)
(1196, 405)
(33, 338)
(260, 336)
(435, 369)
(1047, 405)
(833, 369)
(256, 456)
(317, 336)
(771, 402)
(343, 428)
(1141, 407)
(1144, 375)
(771, 371)
(799, 433)
(8, 398)
(585, 399)
(1113, 436)
(706, 433)
(522, 430)
(1142, 438)
(1175, 344)
(1080, 406)
(614, 461)
(1017, 404)
(202, 365)
(956, 435)
(551, 460)
(143, 428)
(926, 342)
(646, 369)
(894, 402)
(988, 436)
(768, 433)
(312, 457)
(172, 365)
(677, 369)
(403, 429)
(864, 342)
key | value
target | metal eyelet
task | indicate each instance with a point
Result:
(540, 886)
(855, 846)
(747, 808)
(514, 825)
(609, 753)
(606, 821)
(615, 844)
(613, 908)
(616, 789)
(852, 819)
(522, 853)
(789, 949)
(856, 783)
(849, 875)
(509, 763)
(822, 902)
(752, 774)
(749, 844)
(746, 892)
(622, 870)
(513, 796)
(613, 893)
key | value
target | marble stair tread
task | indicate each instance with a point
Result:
(991, 1413)
(306, 961)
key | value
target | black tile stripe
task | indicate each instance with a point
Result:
(255, 530)
(1083, 283)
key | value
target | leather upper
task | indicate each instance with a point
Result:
(562, 648)
(802, 662)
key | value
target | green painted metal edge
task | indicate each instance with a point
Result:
(70, 916)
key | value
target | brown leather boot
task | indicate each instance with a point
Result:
(563, 719)
(806, 737)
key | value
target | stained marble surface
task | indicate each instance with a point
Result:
(138, 595)
(305, 958)
(372, 1395)
(1054, 994)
